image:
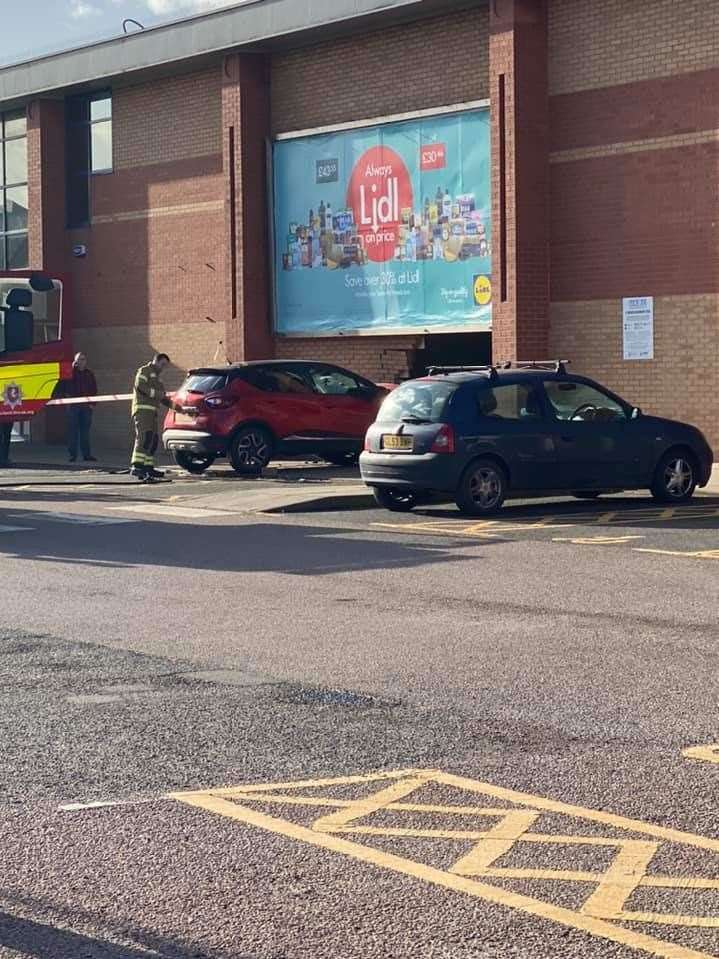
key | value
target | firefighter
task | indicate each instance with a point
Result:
(149, 397)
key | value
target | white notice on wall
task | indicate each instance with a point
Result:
(638, 324)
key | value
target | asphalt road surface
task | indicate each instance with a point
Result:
(349, 735)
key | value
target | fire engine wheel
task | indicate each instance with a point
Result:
(193, 462)
(250, 450)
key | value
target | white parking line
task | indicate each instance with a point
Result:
(178, 512)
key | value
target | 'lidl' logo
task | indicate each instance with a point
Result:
(482, 290)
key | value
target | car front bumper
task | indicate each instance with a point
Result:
(439, 472)
(193, 441)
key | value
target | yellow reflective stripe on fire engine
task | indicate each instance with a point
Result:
(141, 406)
(36, 380)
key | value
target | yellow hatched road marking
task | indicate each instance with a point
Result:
(694, 554)
(595, 540)
(708, 754)
(601, 914)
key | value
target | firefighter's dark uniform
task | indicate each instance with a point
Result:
(149, 398)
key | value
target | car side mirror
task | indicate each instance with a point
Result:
(636, 413)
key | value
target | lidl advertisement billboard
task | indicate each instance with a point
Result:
(384, 229)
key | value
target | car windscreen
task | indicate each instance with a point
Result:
(422, 400)
(204, 382)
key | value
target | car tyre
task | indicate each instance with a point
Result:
(482, 489)
(250, 450)
(341, 459)
(396, 500)
(194, 463)
(675, 478)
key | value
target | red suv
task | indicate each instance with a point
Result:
(252, 412)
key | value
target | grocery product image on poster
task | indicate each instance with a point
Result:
(385, 228)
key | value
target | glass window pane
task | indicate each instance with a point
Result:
(17, 252)
(101, 109)
(15, 124)
(16, 161)
(16, 208)
(101, 146)
(513, 401)
(2, 211)
(578, 401)
(3, 266)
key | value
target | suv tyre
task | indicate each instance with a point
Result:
(193, 462)
(250, 450)
(482, 489)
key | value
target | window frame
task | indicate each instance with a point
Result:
(6, 186)
(108, 121)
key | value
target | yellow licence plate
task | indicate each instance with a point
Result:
(184, 419)
(392, 442)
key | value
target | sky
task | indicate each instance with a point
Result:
(29, 28)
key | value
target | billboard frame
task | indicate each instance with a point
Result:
(466, 107)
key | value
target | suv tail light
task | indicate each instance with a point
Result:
(443, 441)
(218, 403)
(367, 444)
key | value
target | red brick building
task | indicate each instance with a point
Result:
(604, 158)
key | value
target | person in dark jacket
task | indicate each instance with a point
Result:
(79, 418)
(5, 434)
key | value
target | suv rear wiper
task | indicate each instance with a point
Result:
(414, 419)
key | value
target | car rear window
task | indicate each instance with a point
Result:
(424, 400)
(205, 382)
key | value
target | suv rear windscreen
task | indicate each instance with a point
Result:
(204, 382)
(423, 400)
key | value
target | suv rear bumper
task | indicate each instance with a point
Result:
(438, 472)
(193, 441)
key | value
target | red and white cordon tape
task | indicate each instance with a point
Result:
(76, 400)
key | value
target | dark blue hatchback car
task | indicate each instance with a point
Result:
(483, 434)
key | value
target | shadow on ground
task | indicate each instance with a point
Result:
(241, 548)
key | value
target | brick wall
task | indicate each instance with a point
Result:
(417, 66)
(679, 383)
(599, 44)
(378, 73)
(634, 153)
(384, 359)
(153, 278)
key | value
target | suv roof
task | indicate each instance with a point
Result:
(228, 367)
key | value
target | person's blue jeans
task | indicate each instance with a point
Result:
(79, 422)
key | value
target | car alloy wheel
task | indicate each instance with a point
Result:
(678, 477)
(250, 450)
(674, 479)
(482, 488)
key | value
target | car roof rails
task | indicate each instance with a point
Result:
(555, 366)
(492, 370)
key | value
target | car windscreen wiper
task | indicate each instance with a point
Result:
(414, 419)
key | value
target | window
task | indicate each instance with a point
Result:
(13, 191)
(38, 323)
(512, 401)
(88, 144)
(571, 400)
(333, 382)
(417, 401)
(275, 380)
(204, 382)
(101, 134)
